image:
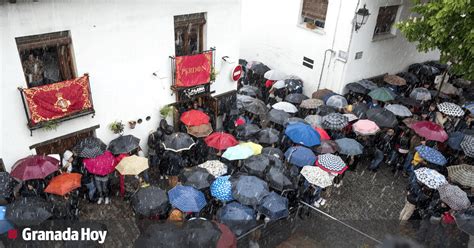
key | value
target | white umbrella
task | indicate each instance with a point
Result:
(285, 106)
(214, 167)
(429, 177)
(274, 75)
(280, 84)
(314, 120)
(317, 176)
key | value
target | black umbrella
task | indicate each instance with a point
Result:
(27, 211)
(6, 184)
(356, 88)
(360, 110)
(124, 144)
(295, 98)
(251, 91)
(409, 77)
(407, 101)
(294, 85)
(196, 177)
(274, 152)
(259, 68)
(279, 178)
(257, 107)
(246, 131)
(162, 235)
(243, 100)
(249, 190)
(325, 110)
(239, 218)
(201, 233)
(382, 117)
(268, 136)
(274, 206)
(277, 116)
(256, 165)
(89, 147)
(177, 142)
(150, 201)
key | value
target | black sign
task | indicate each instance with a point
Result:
(191, 92)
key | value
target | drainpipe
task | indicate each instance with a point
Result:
(322, 67)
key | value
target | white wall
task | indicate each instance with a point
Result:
(120, 44)
(271, 34)
(390, 55)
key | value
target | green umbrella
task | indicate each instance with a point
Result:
(382, 94)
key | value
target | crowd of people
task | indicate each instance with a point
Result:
(276, 147)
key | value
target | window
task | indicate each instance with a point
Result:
(46, 58)
(313, 13)
(385, 20)
(189, 33)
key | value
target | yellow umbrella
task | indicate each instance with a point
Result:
(256, 148)
(132, 165)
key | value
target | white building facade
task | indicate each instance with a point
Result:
(124, 46)
(277, 33)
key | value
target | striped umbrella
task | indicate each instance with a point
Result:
(331, 163)
(334, 121)
(462, 174)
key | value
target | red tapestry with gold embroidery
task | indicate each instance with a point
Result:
(193, 70)
(58, 100)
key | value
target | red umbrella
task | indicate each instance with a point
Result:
(227, 238)
(194, 118)
(64, 183)
(34, 167)
(221, 140)
(430, 131)
(322, 133)
(101, 165)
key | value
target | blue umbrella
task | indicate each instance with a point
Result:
(300, 156)
(237, 217)
(5, 225)
(221, 189)
(455, 140)
(274, 206)
(303, 134)
(469, 106)
(431, 155)
(349, 146)
(249, 190)
(237, 152)
(187, 198)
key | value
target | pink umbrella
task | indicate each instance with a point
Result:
(430, 131)
(101, 165)
(34, 167)
(365, 127)
(322, 133)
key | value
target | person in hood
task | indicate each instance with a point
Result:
(68, 158)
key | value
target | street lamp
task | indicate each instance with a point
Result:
(361, 17)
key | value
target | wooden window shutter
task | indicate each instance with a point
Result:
(315, 9)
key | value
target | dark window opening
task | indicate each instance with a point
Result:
(46, 58)
(314, 12)
(189, 34)
(385, 20)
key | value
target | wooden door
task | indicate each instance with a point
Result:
(61, 144)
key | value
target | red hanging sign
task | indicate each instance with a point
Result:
(54, 101)
(193, 70)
